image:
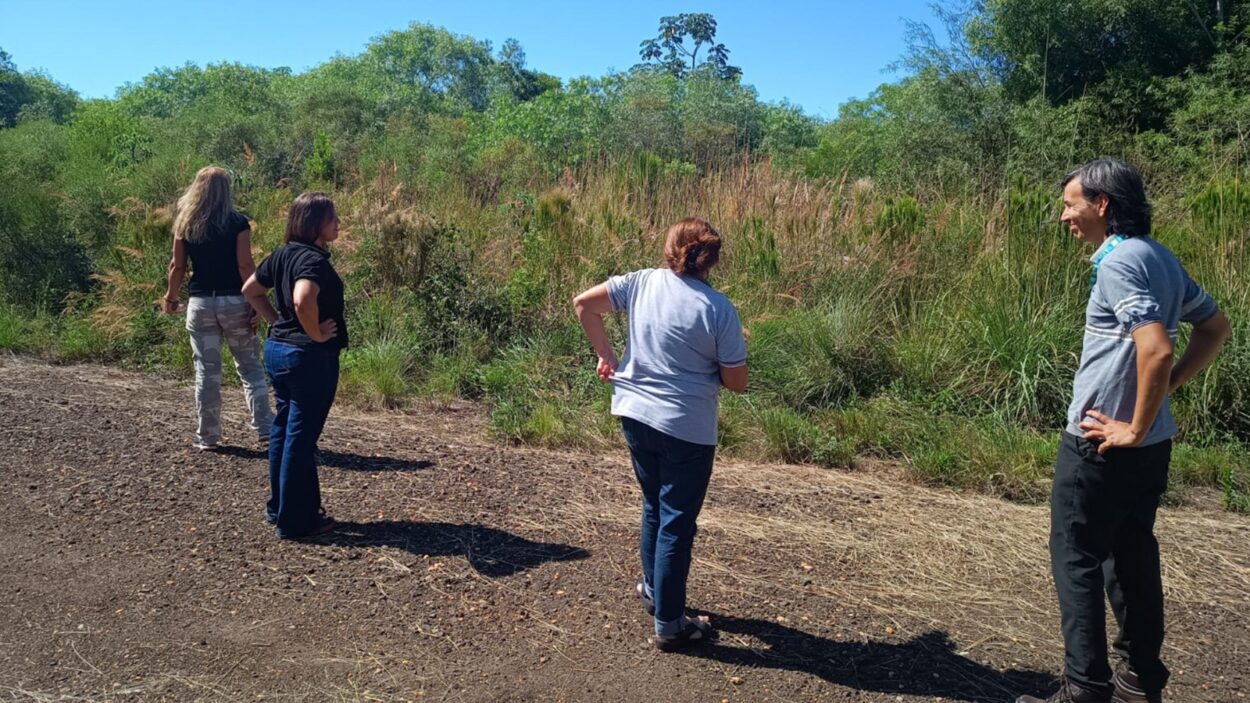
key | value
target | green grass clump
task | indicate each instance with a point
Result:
(544, 392)
(14, 334)
(1236, 484)
(72, 339)
(985, 454)
(819, 358)
(1225, 466)
(378, 374)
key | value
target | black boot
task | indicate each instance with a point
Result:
(1129, 690)
(1069, 693)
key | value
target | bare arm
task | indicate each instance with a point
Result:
(258, 296)
(1208, 338)
(591, 306)
(174, 275)
(243, 255)
(247, 267)
(734, 378)
(308, 314)
(1154, 369)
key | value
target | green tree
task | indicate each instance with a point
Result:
(1115, 50)
(565, 125)
(1213, 120)
(513, 80)
(14, 92)
(429, 64)
(47, 99)
(234, 87)
(668, 51)
(787, 132)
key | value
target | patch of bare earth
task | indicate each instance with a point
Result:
(135, 568)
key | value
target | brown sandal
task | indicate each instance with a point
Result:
(695, 630)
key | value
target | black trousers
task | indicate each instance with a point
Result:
(1102, 516)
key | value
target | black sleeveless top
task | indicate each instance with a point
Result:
(214, 260)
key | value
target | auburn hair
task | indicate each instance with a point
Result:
(691, 247)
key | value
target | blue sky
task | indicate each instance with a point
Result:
(815, 54)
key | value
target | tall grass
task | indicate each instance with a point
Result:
(936, 328)
(13, 330)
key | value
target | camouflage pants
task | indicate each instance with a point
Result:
(210, 320)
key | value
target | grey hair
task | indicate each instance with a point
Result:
(1128, 210)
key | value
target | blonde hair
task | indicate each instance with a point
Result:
(207, 203)
(691, 247)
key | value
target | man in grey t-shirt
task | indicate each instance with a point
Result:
(1113, 457)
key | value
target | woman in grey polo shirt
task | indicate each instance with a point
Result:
(685, 341)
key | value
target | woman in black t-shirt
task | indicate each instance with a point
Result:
(306, 333)
(217, 240)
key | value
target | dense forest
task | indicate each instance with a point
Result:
(908, 290)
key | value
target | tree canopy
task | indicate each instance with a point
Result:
(668, 50)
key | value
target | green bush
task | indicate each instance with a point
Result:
(908, 290)
(40, 261)
(819, 358)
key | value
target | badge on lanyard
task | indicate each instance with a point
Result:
(1107, 247)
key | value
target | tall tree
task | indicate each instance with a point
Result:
(1110, 49)
(14, 92)
(432, 63)
(513, 79)
(669, 52)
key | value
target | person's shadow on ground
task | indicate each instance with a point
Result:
(927, 665)
(346, 461)
(490, 552)
(358, 462)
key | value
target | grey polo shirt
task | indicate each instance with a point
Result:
(1138, 282)
(681, 331)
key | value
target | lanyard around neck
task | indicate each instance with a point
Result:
(1107, 247)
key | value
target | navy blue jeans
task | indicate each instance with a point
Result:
(1102, 512)
(673, 475)
(304, 380)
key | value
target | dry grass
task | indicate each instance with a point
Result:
(973, 565)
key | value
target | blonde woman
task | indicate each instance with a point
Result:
(217, 240)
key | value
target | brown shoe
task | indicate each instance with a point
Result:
(1068, 693)
(1128, 689)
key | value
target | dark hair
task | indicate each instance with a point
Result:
(308, 214)
(1128, 210)
(692, 246)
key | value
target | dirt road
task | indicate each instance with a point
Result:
(136, 568)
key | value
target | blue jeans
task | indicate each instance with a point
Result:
(673, 475)
(304, 380)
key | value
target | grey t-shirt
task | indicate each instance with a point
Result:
(681, 331)
(1138, 282)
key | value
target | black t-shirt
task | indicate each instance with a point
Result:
(215, 261)
(288, 264)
